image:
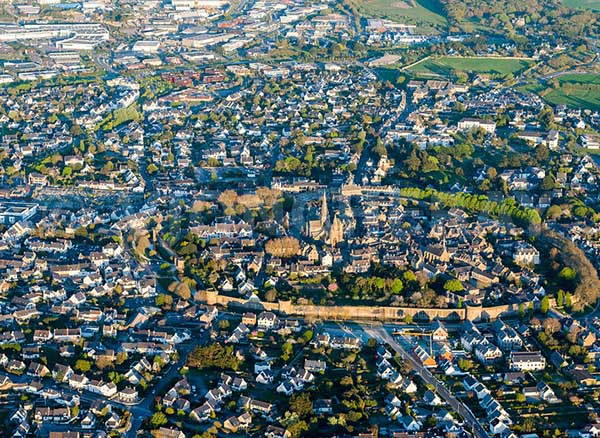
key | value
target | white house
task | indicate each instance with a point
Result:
(527, 361)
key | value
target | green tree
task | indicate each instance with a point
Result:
(83, 365)
(67, 171)
(379, 148)
(152, 168)
(409, 276)
(453, 285)
(397, 286)
(553, 212)
(542, 153)
(546, 118)
(213, 356)
(286, 351)
(301, 405)
(521, 310)
(158, 419)
(307, 336)
(413, 163)
(465, 364)
(297, 429)
(545, 305)
(568, 300)
(81, 232)
(567, 274)
(548, 183)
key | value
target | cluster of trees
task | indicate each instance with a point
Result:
(164, 300)
(564, 299)
(187, 248)
(120, 116)
(183, 289)
(466, 364)
(300, 412)
(580, 268)
(419, 164)
(419, 161)
(292, 165)
(83, 365)
(389, 282)
(476, 204)
(207, 269)
(263, 197)
(506, 16)
(141, 243)
(552, 337)
(284, 247)
(213, 356)
(574, 207)
(428, 298)
(361, 286)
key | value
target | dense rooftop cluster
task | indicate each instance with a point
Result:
(343, 218)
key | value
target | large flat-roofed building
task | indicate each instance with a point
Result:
(206, 40)
(146, 46)
(590, 141)
(471, 123)
(88, 34)
(188, 5)
(12, 212)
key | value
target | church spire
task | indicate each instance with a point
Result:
(324, 210)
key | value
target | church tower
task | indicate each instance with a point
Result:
(336, 233)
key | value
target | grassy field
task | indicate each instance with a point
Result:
(583, 4)
(495, 67)
(427, 13)
(574, 90)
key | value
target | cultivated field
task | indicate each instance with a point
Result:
(574, 90)
(583, 4)
(427, 13)
(445, 66)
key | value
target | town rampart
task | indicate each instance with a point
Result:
(378, 313)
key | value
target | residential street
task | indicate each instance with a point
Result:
(383, 336)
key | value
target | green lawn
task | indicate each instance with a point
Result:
(427, 13)
(583, 4)
(574, 90)
(496, 67)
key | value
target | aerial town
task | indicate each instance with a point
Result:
(340, 218)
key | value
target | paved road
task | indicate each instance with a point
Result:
(382, 335)
(571, 70)
(142, 410)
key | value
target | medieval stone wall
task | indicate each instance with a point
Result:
(378, 313)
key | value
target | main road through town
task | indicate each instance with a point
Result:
(382, 335)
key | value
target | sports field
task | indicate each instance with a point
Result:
(427, 13)
(445, 66)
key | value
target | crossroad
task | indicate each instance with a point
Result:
(382, 335)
